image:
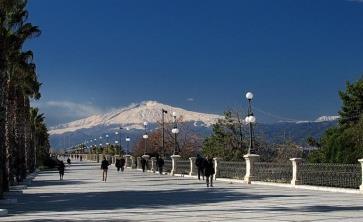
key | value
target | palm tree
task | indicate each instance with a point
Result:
(14, 32)
(39, 136)
(27, 87)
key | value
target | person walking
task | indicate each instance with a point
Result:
(160, 164)
(209, 171)
(80, 158)
(122, 164)
(104, 167)
(69, 162)
(118, 164)
(143, 164)
(61, 167)
(199, 162)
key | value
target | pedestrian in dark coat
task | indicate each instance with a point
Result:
(122, 162)
(61, 167)
(199, 162)
(160, 164)
(143, 164)
(104, 167)
(118, 165)
(209, 171)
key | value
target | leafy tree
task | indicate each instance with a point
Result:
(188, 142)
(228, 139)
(344, 143)
(284, 152)
(352, 100)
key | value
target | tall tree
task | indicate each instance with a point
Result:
(40, 138)
(228, 139)
(344, 143)
(352, 99)
(15, 71)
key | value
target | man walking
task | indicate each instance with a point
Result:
(61, 167)
(160, 164)
(209, 171)
(143, 164)
(199, 162)
(122, 164)
(104, 167)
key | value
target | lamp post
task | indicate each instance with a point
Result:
(117, 133)
(145, 136)
(250, 119)
(175, 131)
(127, 144)
(163, 111)
(127, 156)
(107, 140)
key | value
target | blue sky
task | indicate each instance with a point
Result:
(96, 55)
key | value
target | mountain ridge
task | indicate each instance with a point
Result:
(133, 116)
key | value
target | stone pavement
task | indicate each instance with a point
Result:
(137, 196)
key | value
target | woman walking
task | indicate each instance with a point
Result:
(118, 164)
(122, 164)
(209, 171)
(61, 167)
(160, 165)
(104, 167)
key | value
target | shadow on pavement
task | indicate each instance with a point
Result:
(43, 183)
(62, 202)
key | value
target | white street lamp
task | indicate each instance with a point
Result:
(250, 119)
(127, 143)
(249, 96)
(175, 131)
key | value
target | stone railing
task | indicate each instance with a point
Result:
(273, 172)
(330, 175)
(296, 173)
(231, 170)
(167, 166)
(183, 167)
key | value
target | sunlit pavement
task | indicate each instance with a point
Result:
(137, 196)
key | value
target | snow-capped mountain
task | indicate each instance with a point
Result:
(134, 116)
(327, 118)
(320, 119)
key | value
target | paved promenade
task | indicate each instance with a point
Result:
(137, 196)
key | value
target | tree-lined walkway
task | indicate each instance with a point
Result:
(135, 196)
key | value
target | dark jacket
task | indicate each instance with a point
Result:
(61, 167)
(143, 162)
(199, 162)
(118, 163)
(208, 168)
(122, 162)
(104, 164)
(160, 162)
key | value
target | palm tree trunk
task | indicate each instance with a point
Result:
(20, 134)
(4, 186)
(9, 133)
(29, 146)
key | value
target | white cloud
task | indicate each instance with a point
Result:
(75, 109)
(190, 99)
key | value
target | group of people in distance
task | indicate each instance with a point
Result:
(119, 164)
(205, 168)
